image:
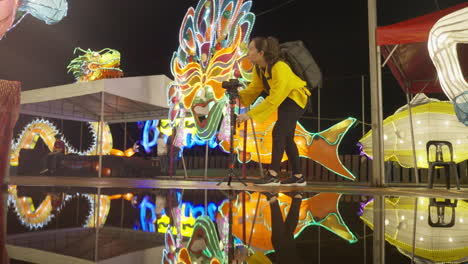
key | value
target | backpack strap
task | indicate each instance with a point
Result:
(264, 78)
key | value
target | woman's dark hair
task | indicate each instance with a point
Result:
(269, 46)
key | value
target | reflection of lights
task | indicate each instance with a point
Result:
(450, 239)
(421, 239)
(387, 222)
(128, 196)
(385, 137)
(189, 213)
(421, 217)
(402, 217)
(461, 220)
(147, 224)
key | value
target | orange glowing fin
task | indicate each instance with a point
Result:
(324, 148)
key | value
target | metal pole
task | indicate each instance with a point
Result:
(125, 136)
(413, 145)
(390, 55)
(101, 133)
(415, 218)
(96, 225)
(183, 165)
(318, 109)
(244, 156)
(365, 242)
(81, 136)
(122, 212)
(206, 202)
(77, 209)
(376, 100)
(363, 110)
(206, 160)
(377, 134)
(319, 238)
(258, 151)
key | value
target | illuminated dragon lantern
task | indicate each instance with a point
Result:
(95, 65)
(213, 40)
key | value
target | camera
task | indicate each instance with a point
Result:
(231, 87)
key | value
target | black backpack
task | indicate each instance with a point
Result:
(298, 57)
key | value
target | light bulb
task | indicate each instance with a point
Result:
(421, 239)
(450, 239)
(402, 217)
(387, 222)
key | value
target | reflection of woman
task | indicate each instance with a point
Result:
(282, 233)
(287, 93)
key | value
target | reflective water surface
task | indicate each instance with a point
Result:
(144, 225)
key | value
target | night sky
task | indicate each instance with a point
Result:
(146, 34)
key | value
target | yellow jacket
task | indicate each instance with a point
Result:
(284, 83)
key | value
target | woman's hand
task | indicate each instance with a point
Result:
(242, 118)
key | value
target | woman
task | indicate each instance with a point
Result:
(287, 93)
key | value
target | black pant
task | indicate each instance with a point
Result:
(282, 233)
(283, 136)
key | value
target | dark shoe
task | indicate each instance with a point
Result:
(294, 181)
(268, 180)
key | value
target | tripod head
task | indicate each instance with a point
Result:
(231, 89)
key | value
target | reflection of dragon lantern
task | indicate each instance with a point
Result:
(211, 37)
(96, 65)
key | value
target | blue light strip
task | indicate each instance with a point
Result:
(150, 125)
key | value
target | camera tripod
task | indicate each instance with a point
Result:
(233, 94)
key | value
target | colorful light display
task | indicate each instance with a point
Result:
(95, 65)
(34, 218)
(188, 215)
(29, 216)
(13, 11)
(40, 128)
(321, 147)
(203, 246)
(320, 210)
(433, 244)
(104, 207)
(432, 120)
(212, 42)
(186, 137)
(444, 37)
